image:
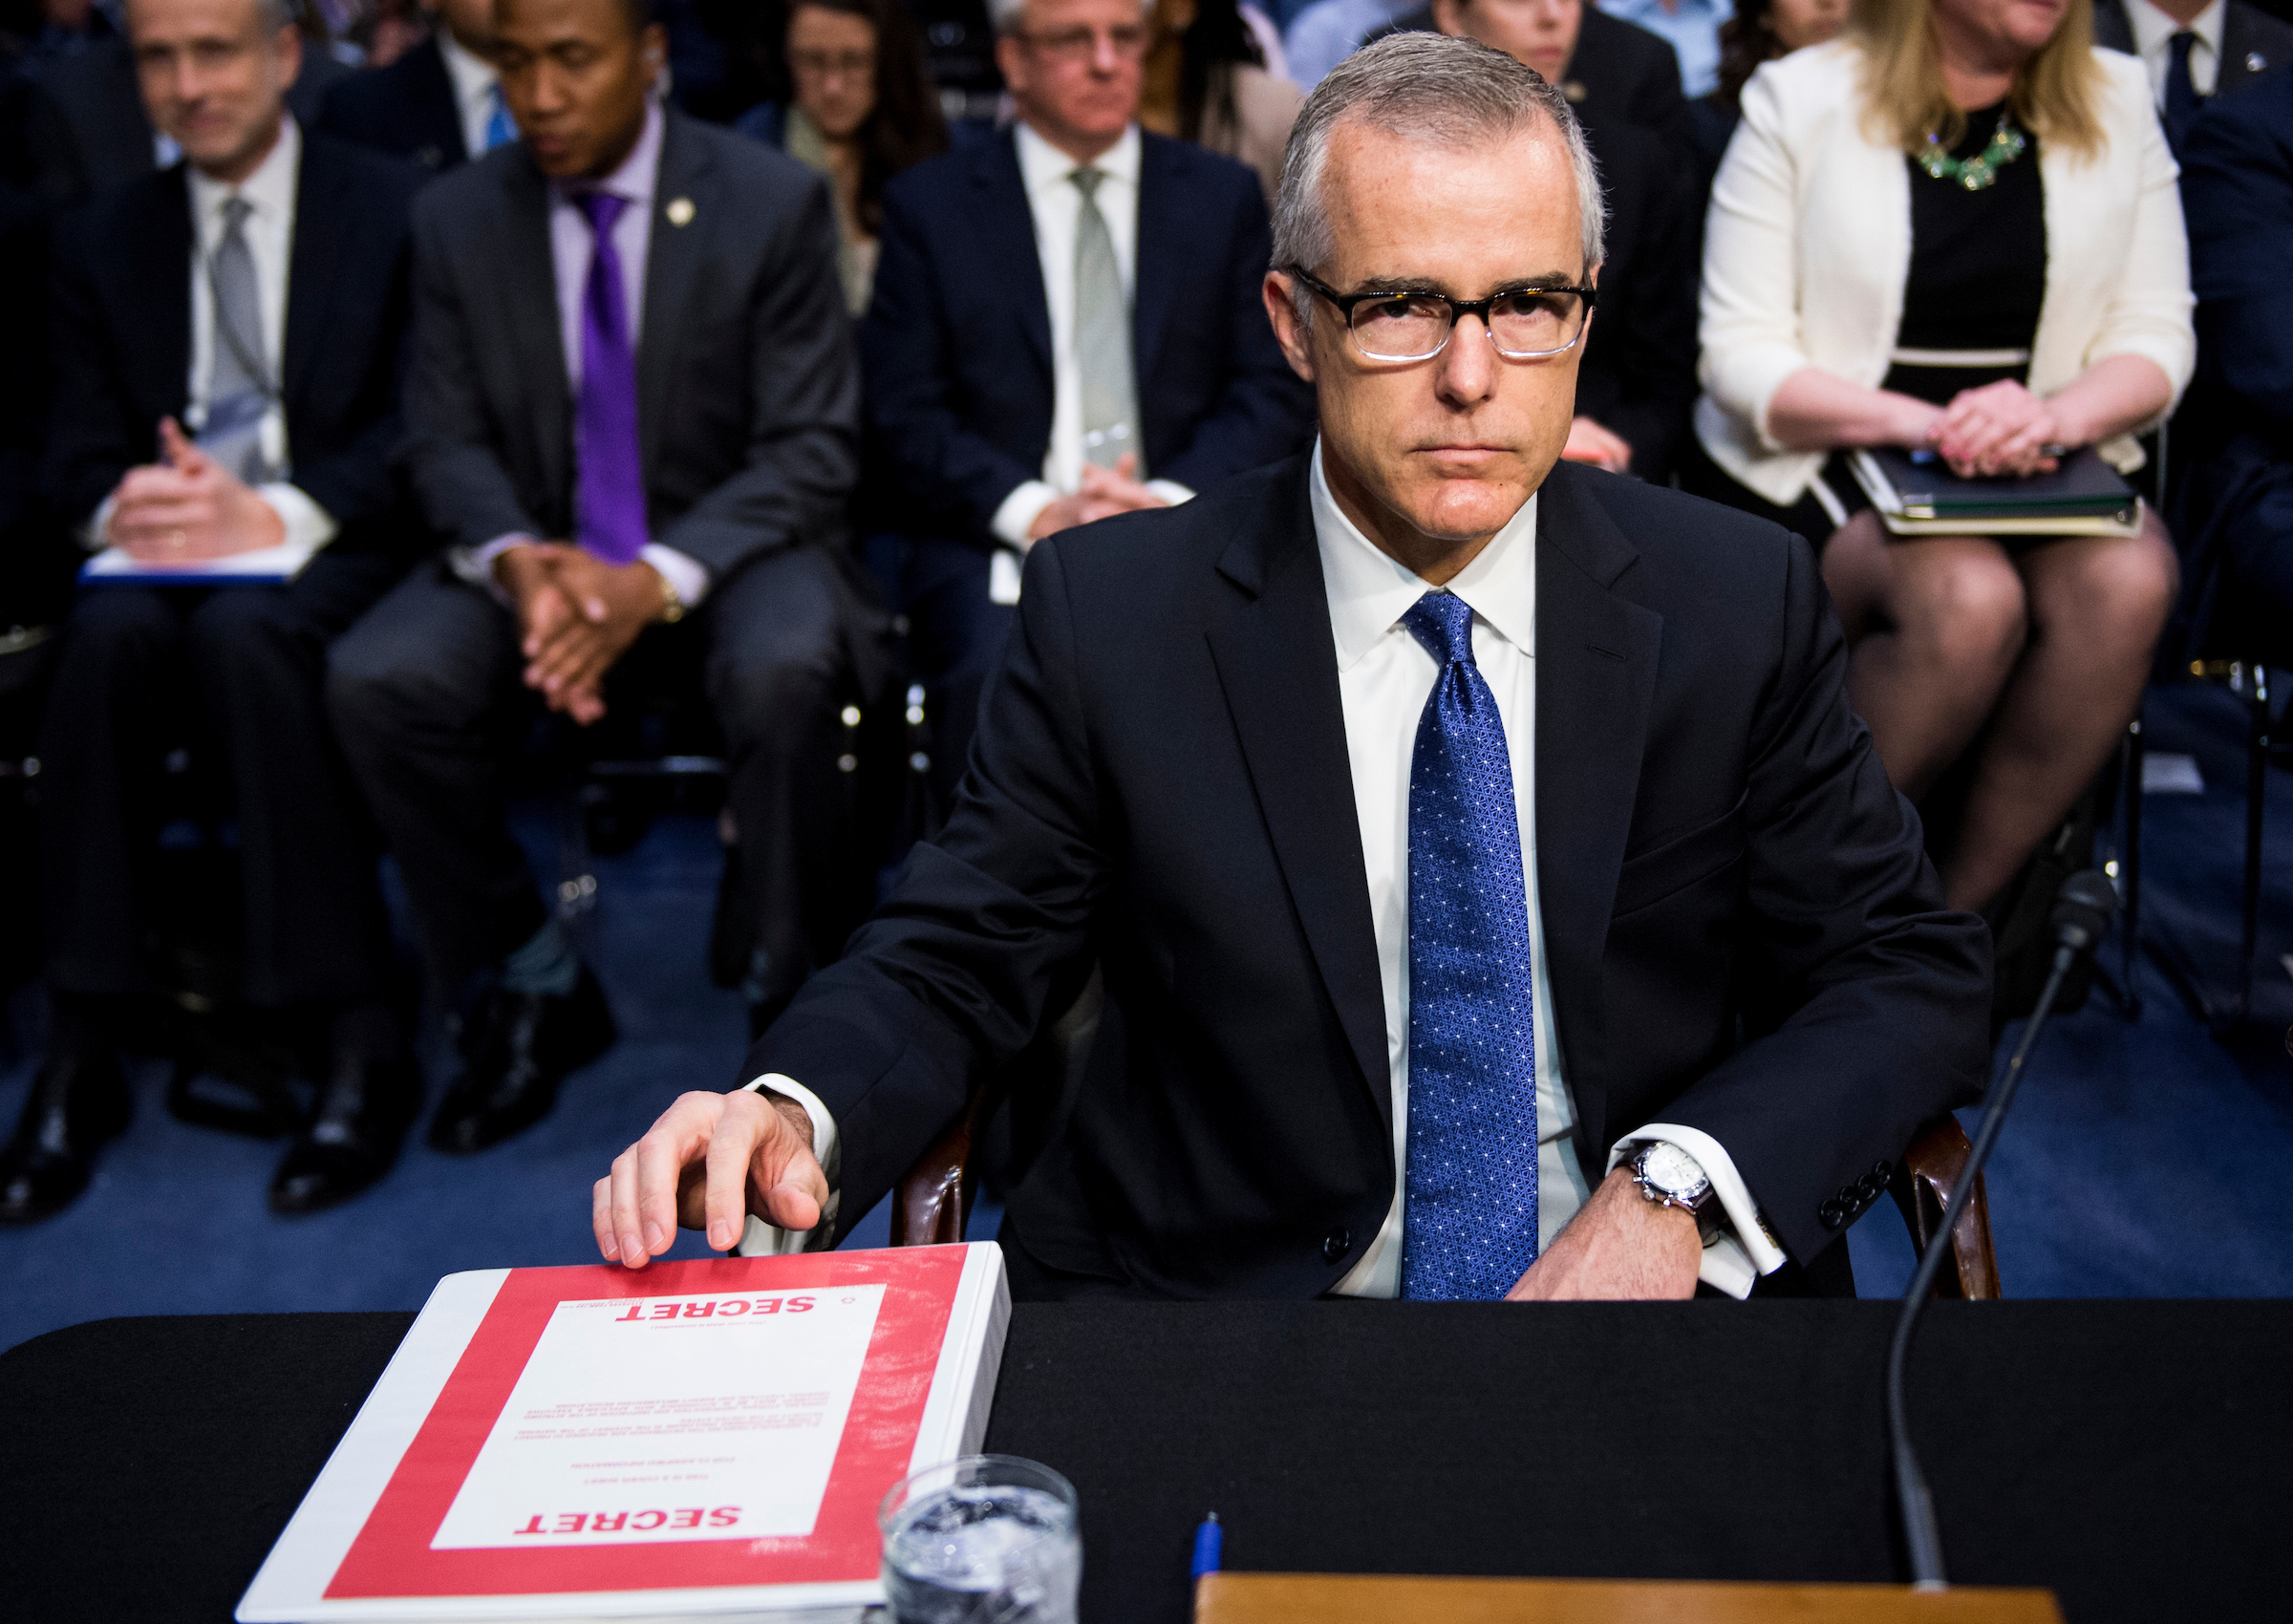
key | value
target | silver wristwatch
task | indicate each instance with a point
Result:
(1670, 1176)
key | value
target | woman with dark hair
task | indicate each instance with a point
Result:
(849, 98)
(1760, 32)
(1207, 83)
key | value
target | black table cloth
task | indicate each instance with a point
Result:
(2131, 1456)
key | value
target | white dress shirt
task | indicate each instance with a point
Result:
(270, 231)
(473, 79)
(1384, 677)
(2153, 35)
(1056, 205)
(571, 246)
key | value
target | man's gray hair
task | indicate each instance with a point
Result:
(1006, 16)
(1429, 87)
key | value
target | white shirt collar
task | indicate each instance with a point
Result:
(1042, 165)
(639, 173)
(2152, 28)
(1371, 591)
(270, 191)
(472, 74)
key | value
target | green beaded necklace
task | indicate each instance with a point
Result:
(2007, 144)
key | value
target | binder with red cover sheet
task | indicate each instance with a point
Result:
(694, 1440)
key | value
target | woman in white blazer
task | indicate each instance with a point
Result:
(1956, 227)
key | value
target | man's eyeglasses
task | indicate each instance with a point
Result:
(1080, 44)
(1525, 324)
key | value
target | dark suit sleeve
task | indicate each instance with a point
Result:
(804, 403)
(948, 981)
(908, 356)
(1646, 322)
(2237, 183)
(463, 490)
(1266, 412)
(95, 434)
(1873, 997)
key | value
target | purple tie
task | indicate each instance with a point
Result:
(611, 502)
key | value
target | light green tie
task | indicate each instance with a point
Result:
(1110, 397)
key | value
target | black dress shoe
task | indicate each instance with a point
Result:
(354, 1136)
(516, 1050)
(79, 1100)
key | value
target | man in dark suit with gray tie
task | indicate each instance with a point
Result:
(1492, 891)
(632, 415)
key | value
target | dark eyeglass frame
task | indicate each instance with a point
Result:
(1458, 309)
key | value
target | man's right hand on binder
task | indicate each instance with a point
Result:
(708, 1162)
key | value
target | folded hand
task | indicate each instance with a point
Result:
(187, 507)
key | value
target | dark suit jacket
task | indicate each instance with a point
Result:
(406, 109)
(1637, 374)
(747, 397)
(1619, 71)
(2253, 42)
(89, 130)
(2233, 434)
(957, 348)
(122, 298)
(1743, 932)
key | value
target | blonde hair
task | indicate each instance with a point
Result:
(1904, 99)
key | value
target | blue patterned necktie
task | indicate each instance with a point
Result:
(1469, 1226)
(2182, 100)
(500, 130)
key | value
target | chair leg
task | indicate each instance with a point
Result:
(2135, 752)
(2256, 783)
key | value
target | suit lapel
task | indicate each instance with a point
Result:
(432, 88)
(1164, 241)
(1277, 664)
(1595, 676)
(527, 312)
(322, 230)
(1006, 235)
(673, 262)
(156, 301)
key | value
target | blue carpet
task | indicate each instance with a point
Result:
(2135, 1164)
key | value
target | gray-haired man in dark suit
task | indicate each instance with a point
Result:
(631, 413)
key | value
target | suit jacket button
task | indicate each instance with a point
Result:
(1870, 1186)
(1881, 1171)
(1830, 1214)
(1333, 1244)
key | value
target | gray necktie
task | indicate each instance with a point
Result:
(1110, 400)
(239, 386)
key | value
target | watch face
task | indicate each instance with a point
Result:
(1672, 1169)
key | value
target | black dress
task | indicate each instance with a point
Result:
(1977, 280)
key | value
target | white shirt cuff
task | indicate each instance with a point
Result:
(1171, 491)
(760, 1239)
(309, 527)
(1743, 1250)
(686, 576)
(476, 564)
(1019, 510)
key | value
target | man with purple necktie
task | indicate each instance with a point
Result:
(632, 415)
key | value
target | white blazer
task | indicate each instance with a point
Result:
(1809, 243)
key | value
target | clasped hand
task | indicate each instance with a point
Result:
(576, 616)
(2001, 428)
(189, 508)
(1105, 493)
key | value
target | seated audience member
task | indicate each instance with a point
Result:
(853, 103)
(1760, 30)
(439, 104)
(1978, 166)
(1611, 72)
(1691, 28)
(1067, 325)
(90, 130)
(2194, 50)
(1206, 80)
(228, 334)
(1327, 33)
(1636, 377)
(631, 414)
(2235, 433)
(1386, 1012)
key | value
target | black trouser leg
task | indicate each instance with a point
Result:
(774, 674)
(422, 689)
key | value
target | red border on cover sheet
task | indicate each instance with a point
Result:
(391, 1554)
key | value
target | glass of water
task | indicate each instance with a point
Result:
(984, 1539)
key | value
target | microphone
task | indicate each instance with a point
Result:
(2081, 918)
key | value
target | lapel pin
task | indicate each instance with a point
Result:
(2256, 62)
(1572, 90)
(681, 212)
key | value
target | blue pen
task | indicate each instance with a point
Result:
(1209, 1542)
